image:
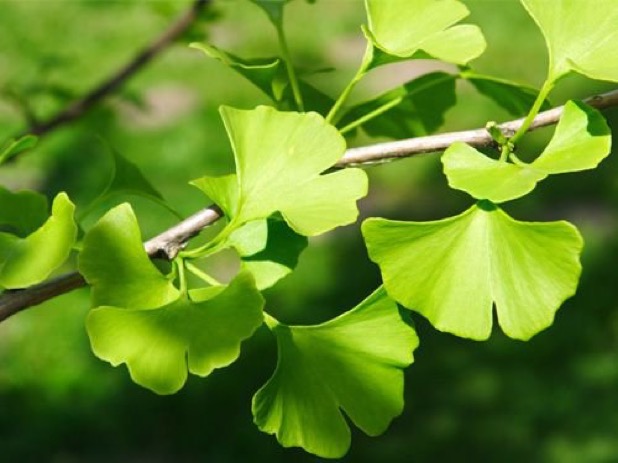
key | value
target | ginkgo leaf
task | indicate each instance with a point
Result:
(453, 271)
(161, 346)
(581, 141)
(511, 96)
(417, 108)
(352, 363)
(404, 27)
(279, 158)
(22, 212)
(268, 74)
(30, 260)
(278, 257)
(581, 36)
(17, 146)
(114, 263)
(273, 9)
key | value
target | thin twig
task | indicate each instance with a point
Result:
(168, 243)
(79, 107)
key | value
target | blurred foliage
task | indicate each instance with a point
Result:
(553, 399)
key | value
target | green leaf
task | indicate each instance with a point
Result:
(405, 27)
(278, 257)
(30, 260)
(453, 271)
(22, 212)
(268, 74)
(418, 108)
(515, 98)
(581, 36)
(17, 146)
(481, 177)
(352, 363)
(114, 263)
(279, 157)
(223, 190)
(128, 178)
(161, 345)
(273, 9)
(581, 141)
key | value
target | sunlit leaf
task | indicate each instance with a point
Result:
(22, 212)
(30, 260)
(405, 27)
(352, 363)
(581, 141)
(161, 346)
(114, 263)
(454, 270)
(279, 158)
(581, 36)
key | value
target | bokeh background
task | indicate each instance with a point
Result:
(552, 399)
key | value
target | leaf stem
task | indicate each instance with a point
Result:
(371, 115)
(285, 51)
(360, 73)
(202, 275)
(534, 111)
(182, 277)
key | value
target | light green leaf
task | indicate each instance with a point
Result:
(513, 97)
(405, 27)
(22, 212)
(160, 346)
(30, 260)
(581, 141)
(482, 177)
(17, 146)
(222, 190)
(278, 257)
(418, 108)
(581, 36)
(453, 271)
(352, 363)
(279, 158)
(114, 263)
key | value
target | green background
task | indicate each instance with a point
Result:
(552, 399)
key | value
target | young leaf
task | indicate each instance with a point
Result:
(15, 147)
(405, 27)
(511, 96)
(418, 108)
(114, 263)
(352, 363)
(161, 345)
(581, 141)
(453, 271)
(30, 260)
(581, 36)
(22, 212)
(279, 157)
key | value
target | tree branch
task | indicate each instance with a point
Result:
(167, 244)
(79, 107)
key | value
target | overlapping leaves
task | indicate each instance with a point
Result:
(279, 158)
(581, 141)
(352, 363)
(454, 270)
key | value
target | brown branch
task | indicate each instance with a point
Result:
(81, 106)
(167, 244)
